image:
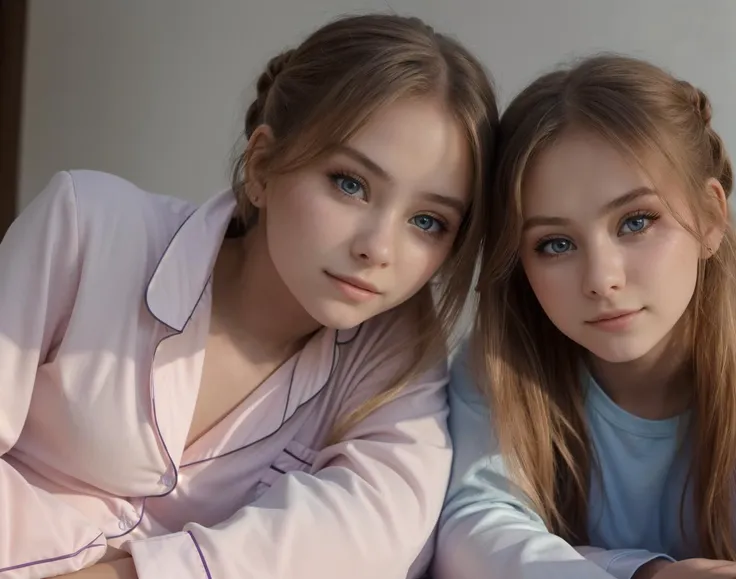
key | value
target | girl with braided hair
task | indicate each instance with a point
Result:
(594, 410)
(253, 388)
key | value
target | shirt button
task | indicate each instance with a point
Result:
(124, 524)
(167, 480)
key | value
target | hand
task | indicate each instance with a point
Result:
(687, 569)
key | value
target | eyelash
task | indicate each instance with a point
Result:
(651, 216)
(334, 176)
(443, 226)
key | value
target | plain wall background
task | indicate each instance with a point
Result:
(155, 90)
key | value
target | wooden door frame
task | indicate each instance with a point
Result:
(13, 17)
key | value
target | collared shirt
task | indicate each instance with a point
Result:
(105, 299)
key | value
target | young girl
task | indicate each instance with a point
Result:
(253, 387)
(605, 344)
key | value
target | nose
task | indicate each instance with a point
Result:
(374, 243)
(605, 271)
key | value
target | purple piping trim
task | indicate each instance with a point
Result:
(335, 349)
(292, 455)
(158, 429)
(158, 264)
(357, 333)
(51, 560)
(163, 442)
(201, 555)
(176, 331)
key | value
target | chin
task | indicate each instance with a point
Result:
(623, 353)
(339, 316)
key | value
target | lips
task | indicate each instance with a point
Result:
(355, 282)
(612, 315)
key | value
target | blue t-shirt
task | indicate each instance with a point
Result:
(488, 530)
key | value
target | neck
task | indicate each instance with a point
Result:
(251, 304)
(656, 386)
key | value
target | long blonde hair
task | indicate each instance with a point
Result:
(530, 370)
(322, 92)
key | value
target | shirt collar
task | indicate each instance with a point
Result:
(182, 273)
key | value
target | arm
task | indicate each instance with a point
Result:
(366, 512)
(122, 568)
(487, 531)
(39, 535)
(626, 563)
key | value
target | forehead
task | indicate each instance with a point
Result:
(419, 143)
(581, 169)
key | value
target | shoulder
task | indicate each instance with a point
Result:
(96, 211)
(463, 386)
(379, 353)
(115, 219)
(120, 230)
(392, 335)
(108, 204)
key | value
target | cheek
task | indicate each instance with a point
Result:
(419, 259)
(424, 268)
(670, 261)
(296, 216)
(291, 206)
(552, 284)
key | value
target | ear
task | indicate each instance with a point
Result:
(256, 183)
(718, 217)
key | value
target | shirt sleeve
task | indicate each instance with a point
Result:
(621, 563)
(40, 536)
(487, 529)
(367, 511)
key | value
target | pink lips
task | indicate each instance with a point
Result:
(354, 288)
(615, 320)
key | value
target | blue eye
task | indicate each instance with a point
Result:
(427, 223)
(636, 224)
(555, 246)
(350, 186)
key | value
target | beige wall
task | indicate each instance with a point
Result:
(154, 90)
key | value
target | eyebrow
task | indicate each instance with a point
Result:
(450, 202)
(617, 203)
(364, 160)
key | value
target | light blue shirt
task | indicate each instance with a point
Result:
(488, 531)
